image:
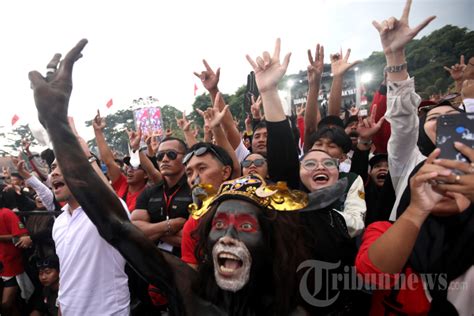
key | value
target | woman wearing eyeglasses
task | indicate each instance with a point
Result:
(255, 163)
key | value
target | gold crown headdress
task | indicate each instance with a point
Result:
(254, 189)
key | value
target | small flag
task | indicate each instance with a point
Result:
(195, 89)
(15, 119)
(110, 103)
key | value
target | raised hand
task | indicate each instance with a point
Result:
(456, 71)
(21, 167)
(316, 65)
(98, 123)
(354, 111)
(183, 122)
(300, 110)
(463, 184)
(208, 77)
(25, 144)
(134, 138)
(423, 195)
(152, 142)
(52, 92)
(367, 127)
(467, 90)
(396, 34)
(212, 116)
(196, 131)
(340, 65)
(255, 107)
(268, 69)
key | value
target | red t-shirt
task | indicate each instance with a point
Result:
(188, 244)
(411, 299)
(10, 255)
(121, 188)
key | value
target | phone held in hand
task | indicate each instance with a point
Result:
(455, 128)
(15, 240)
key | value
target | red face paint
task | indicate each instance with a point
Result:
(241, 222)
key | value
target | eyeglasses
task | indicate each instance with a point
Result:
(257, 163)
(201, 151)
(171, 154)
(312, 164)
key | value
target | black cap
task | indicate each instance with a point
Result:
(377, 158)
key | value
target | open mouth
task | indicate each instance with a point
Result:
(57, 184)
(229, 263)
(320, 178)
(382, 176)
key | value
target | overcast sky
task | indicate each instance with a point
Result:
(151, 48)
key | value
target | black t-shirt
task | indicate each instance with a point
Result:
(154, 200)
(50, 301)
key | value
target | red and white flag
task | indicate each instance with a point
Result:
(195, 89)
(15, 119)
(109, 103)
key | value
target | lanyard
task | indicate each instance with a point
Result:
(168, 200)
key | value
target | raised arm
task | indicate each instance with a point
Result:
(145, 162)
(402, 101)
(213, 118)
(210, 80)
(105, 153)
(312, 115)
(282, 155)
(339, 66)
(457, 73)
(185, 125)
(99, 202)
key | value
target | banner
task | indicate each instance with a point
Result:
(148, 119)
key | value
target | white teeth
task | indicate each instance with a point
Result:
(228, 256)
(227, 270)
(320, 177)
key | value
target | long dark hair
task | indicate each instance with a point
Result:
(272, 290)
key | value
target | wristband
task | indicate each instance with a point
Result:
(395, 68)
(92, 159)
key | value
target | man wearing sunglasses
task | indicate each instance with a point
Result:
(209, 164)
(162, 209)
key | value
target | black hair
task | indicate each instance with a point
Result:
(331, 120)
(336, 134)
(259, 125)
(351, 119)
(222, 155)
(179, 140)
(48, 156)
(313, 150)
(17, 175)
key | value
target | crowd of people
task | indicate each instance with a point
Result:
(273, 220)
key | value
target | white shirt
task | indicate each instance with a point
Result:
(403, 152)
(92, 272)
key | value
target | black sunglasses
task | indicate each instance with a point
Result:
(171, 154)
(199, 152)
(257, 163)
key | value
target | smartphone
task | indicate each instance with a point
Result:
(15, 240)
(454, 128)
